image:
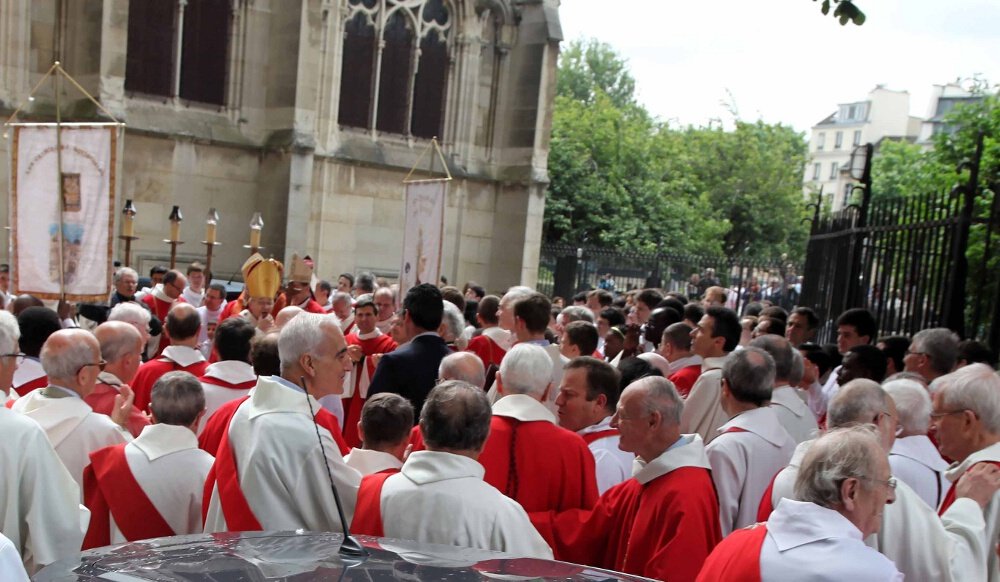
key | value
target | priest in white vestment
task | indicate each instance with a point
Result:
(966, 417)
(283, 480)
(11, 568)
(914, 458)
(792, 412)
(232, 376)
(752, 447)
(922, 545)
(41, 513)
(844, 485)
(72, 360)
(440, 497)
(384, 431)
(588, 397)
(715, 337)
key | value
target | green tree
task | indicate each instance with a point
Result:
(589, 68)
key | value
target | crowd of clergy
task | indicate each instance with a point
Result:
(651, 433)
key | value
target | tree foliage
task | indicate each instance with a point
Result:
(843, 10)
(625, 180)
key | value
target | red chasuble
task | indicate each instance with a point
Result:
(540, 465)
(223, 384)
(232, 309)
(160, 309)
(218, 424)
(950, 497)
(102, 400)
(110, 490)
(312, 306)
(664, 529)
(737, 557)
(352, 405)
(685, 378)
(151, 371)
(368, 510)
(487, 350)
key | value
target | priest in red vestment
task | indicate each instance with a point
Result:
(491, 342)
(363, 343)
(527, 456)
(183, 324)
(121, 348)
(664, 521)
(162, 298)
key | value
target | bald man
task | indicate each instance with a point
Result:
(183, 355)
(284, 316)
(464, 366)
(72, 360)
(121, 349)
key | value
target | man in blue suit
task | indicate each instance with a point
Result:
(411, 370)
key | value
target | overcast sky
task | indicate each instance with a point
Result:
(790, 64)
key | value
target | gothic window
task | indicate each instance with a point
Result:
(178, 48)
(395, 66)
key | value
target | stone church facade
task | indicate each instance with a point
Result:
(311, 112)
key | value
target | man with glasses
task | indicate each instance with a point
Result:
(121, 348)
(932, 353)
(966, 418)
(164, 296)
(287, 460)
(922, 545)
(72, 360)
(40, 513)
(841, 489)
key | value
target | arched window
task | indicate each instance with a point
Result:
(395, 66)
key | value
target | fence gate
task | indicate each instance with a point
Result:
(914, 262)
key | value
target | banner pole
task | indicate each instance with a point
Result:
(59, 180)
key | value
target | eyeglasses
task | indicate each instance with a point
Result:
(913, 353)
(19, 357)
(936, 415)
(100, 365)
(890, 482)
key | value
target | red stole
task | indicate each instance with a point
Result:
(110, 490)
(950, 497)
(368, 510)
(737, 557)
(353, 404)
(598, 435)
(224, 474)
(766, 507)
(32, 385)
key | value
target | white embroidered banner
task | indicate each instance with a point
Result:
(86, 183)
(423, 235)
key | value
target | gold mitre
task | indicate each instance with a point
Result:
(262, 277)
(301, 271)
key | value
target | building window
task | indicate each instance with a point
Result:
(834, 170)
(395, 66)
(820, 141)
(839, 141)
(848, 190)
(178, 48)
(857, 137)
(816, 170)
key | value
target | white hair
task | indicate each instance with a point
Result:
(975, 387)
(124, 271)
(464, 366)
(301, 335)
(340, 296)
(515, 294)
(455, 321)
(526, 369)
(838, 455)
(912, 403)
(10, 333)
(130, 312)
(65, 364)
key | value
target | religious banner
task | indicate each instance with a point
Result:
(423, 234)
(62, 210)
